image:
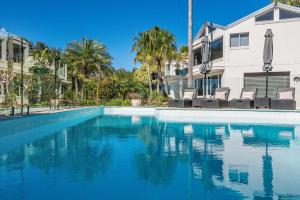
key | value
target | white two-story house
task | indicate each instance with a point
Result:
(10, 47)
(237, 54)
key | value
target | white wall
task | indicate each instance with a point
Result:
(238, 61)
(286, 52)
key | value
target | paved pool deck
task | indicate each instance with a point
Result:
(41, 111)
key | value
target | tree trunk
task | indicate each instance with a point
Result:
(159, 74)
(39, 89)
(76, 88)
(55, 78)
(97, 94)
(149, 79)
(22, 75)
(7, 89)
(82, 89)
(190, 45)
(10, 61)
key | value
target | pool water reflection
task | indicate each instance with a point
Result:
(120, 157)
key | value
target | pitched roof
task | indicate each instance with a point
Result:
(210, 24)
(258, 12)
(263, 10)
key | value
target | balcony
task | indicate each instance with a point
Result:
(62, 73)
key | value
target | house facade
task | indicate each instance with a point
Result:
(10, 49)
(237, 54)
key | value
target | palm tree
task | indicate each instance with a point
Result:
(156, 44)
(190, 45)
(53, 57)
(88, 58)
(182, 55)
(39, 54)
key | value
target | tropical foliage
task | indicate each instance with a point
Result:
(153, 48)
(120, 85)
(289, 2)
(92, 78)
(86, 59)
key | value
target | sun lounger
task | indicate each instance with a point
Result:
(246, 100)
(285, 99)
(186, 101)
(219, 99)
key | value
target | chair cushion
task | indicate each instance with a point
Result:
(248, 95)
(286, 95)
(188, 95)
(220, 95)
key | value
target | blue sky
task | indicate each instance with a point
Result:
(114, 22)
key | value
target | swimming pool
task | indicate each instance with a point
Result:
(88, 155)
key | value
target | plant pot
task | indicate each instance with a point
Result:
(54, 103)
(136, 102)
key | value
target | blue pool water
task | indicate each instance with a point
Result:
(87, 155)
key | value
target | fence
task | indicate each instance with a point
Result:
(12, 111)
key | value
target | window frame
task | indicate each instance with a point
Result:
(239, 46)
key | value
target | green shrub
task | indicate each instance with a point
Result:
(158, 99)
(10, 99)
(42, 103)
(117, 102)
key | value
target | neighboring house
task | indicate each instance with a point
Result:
(14, 52)
(237, 53)
(175, 77)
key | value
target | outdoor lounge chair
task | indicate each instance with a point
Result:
(246, 100)
(219, 99)
(186, 101)
(285, 99)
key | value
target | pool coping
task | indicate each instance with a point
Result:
(192, 115)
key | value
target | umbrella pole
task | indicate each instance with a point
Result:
(267, 83)
(204, 91)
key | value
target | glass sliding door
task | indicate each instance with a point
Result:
(212, 83)
(199, 84)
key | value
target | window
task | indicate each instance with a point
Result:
(197, 57)
(217, 49)
(258, 80)
(211, 29)
(284, 14)
(269, 16)
(214, 82)
(17, 54)
(239, 40)
(244, 39)
(1, 89)
(234, 40)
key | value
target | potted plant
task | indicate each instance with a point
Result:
(136, 99)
